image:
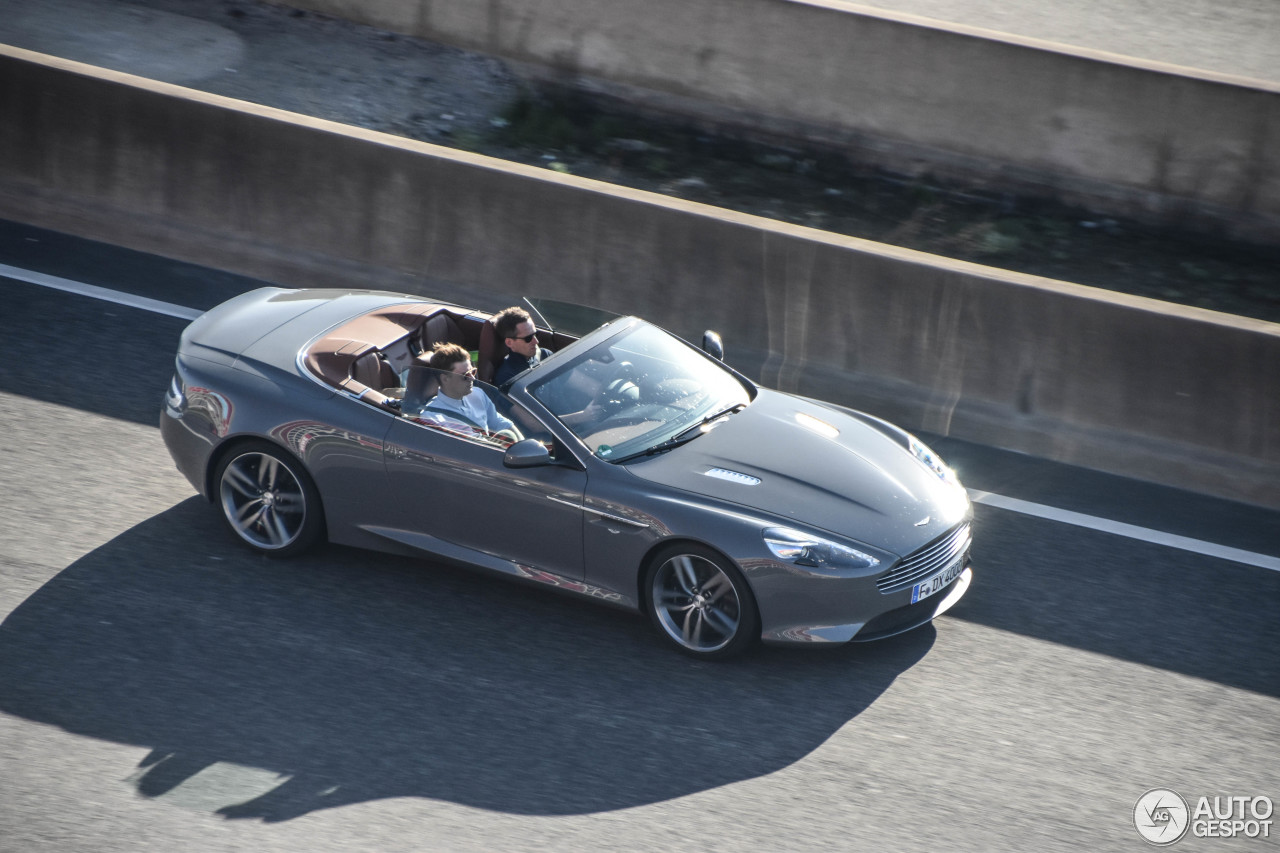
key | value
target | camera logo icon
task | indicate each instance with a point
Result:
(1161, 816)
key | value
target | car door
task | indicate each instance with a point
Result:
(341, 441)
(454, 497)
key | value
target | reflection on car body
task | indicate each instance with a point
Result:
(638, 470)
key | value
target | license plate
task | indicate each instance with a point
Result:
(926, 588)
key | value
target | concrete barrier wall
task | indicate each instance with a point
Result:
(1120, 383)
(1138, 138)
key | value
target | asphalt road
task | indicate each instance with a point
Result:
(162, 688)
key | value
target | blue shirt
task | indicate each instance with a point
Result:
(476, 408)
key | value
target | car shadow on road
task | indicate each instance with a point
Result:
(269, 689)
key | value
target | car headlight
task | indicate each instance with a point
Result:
(802, 549)
(932, 461)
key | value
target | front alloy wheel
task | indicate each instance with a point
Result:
(268, 500)
(700, 602)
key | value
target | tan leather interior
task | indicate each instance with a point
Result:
(353, 357)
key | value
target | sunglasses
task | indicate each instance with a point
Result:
(469, 373)
(528, 339)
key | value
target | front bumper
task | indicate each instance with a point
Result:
(914, 615)
(886, 624)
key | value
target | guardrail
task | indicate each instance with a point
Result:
(1125, 384)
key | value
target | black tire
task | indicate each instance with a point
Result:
(268, 500)
(700, 603)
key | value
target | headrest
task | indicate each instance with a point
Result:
(420, 386)
(492, 351)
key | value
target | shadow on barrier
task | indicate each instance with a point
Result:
(270, 689)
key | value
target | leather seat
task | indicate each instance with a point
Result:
(440, 327)
(421, 386)
(374, 371)
(492, 352)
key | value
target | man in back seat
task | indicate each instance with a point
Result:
(459, 399)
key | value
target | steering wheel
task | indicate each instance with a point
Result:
(618, 388)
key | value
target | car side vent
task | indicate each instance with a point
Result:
(733, 477)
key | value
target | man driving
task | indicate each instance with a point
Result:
(515, 328)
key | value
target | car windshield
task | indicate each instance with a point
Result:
(639, 392)
(567, 317)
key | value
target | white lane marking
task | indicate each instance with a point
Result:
(1131, 531)
(1077, 519)
(95, 292)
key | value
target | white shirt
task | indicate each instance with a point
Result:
(476, 407)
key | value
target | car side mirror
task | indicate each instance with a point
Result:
(712, 345)
(529, 453)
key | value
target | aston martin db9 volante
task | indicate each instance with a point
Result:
(628, 466)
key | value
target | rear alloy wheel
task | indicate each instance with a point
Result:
(700, 602)
(268, 500)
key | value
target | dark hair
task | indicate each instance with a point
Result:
(506, 321)
(445, 355)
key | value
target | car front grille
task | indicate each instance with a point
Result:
(929, 560)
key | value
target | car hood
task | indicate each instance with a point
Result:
(821, 468)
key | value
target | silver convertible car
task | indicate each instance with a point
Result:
(628, 466)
